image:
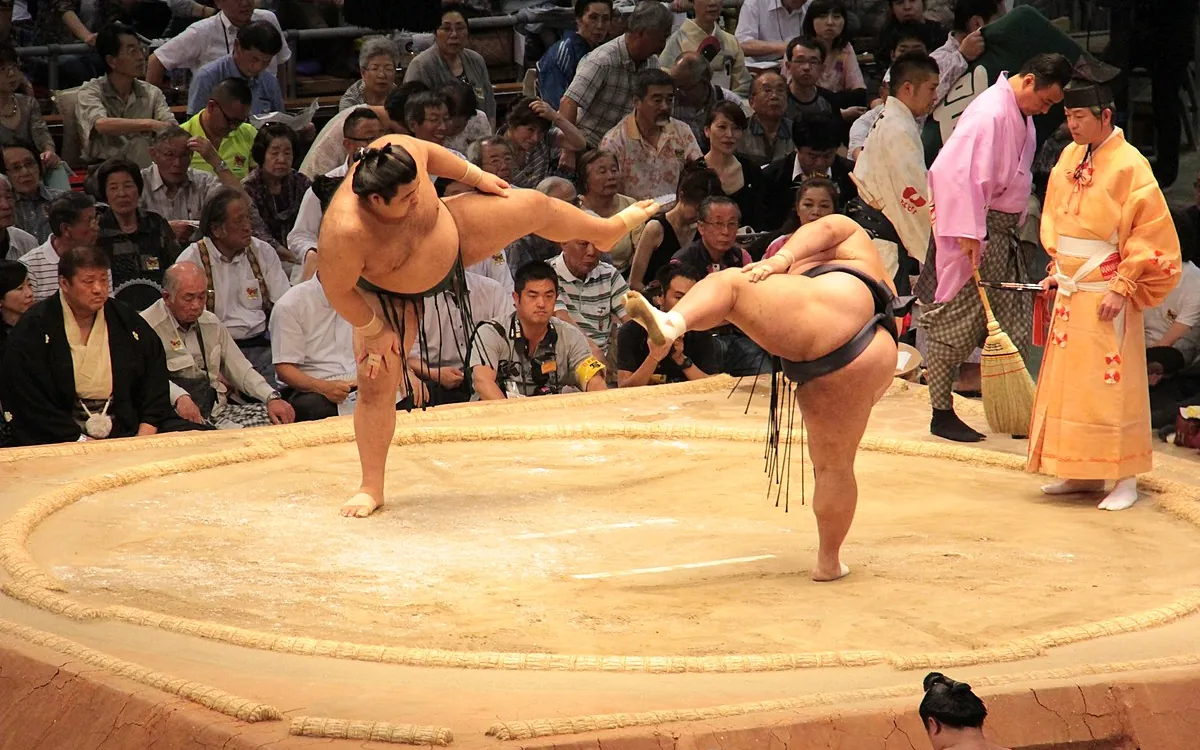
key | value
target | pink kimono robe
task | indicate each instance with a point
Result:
(984, 166)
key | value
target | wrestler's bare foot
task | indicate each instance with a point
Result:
(661, 328)
(361, 505)
(824, 573)
(625, 221)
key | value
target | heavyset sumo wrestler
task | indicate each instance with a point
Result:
(824, 305)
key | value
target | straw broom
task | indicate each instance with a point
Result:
(1006, 384)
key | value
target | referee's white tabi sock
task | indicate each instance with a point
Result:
(1123, 496)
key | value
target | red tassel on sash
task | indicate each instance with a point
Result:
(1043, 313)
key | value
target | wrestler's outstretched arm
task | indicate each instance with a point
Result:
(442, 162)
(817, 241)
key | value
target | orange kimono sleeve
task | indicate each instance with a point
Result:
(1150, 261)
(1048, 230)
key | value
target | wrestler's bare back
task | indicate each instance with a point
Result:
(840, 301)
(855, 251)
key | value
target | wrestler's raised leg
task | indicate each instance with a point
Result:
(709, 303)
(835, 409)
(375, 415)
(757, 308)
(489, 223)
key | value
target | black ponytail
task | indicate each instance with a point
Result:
(951, 703)
(382, 170)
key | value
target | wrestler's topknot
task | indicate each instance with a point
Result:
(951, 703)
(382, 171)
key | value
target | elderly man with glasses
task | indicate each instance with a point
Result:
(173, 189)
(715, 250)
(224, 123)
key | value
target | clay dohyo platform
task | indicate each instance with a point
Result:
(579, 569)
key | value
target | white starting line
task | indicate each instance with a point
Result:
(668, 568)
(605, 527)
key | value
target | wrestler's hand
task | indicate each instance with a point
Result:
(375, 350)
(761, 269)
(285, 255)
(490, 183)
(1111, 306)
(972, 248)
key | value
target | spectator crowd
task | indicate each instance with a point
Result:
(165, 277)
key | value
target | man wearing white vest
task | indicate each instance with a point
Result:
(893, 192)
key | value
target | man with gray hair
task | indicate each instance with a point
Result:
(14, 241)
(173, 189)
(531, 247)
(602, 91)
(204, 362)
(492, 154)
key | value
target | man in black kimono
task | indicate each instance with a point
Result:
(80, 366)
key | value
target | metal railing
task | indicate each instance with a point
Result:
(287, 73)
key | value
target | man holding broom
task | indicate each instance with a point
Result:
(1115, 253)
(980, 183)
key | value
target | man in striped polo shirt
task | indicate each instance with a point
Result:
(591, 294)
(73, 224)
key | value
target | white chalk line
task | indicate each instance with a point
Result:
(669, 568)
(604, 527)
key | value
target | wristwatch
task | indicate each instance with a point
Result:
(222, 166)
(274, 395)
(686, 363)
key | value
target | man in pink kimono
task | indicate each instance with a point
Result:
(980, 183)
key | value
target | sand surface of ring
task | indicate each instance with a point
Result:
(600, 546)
